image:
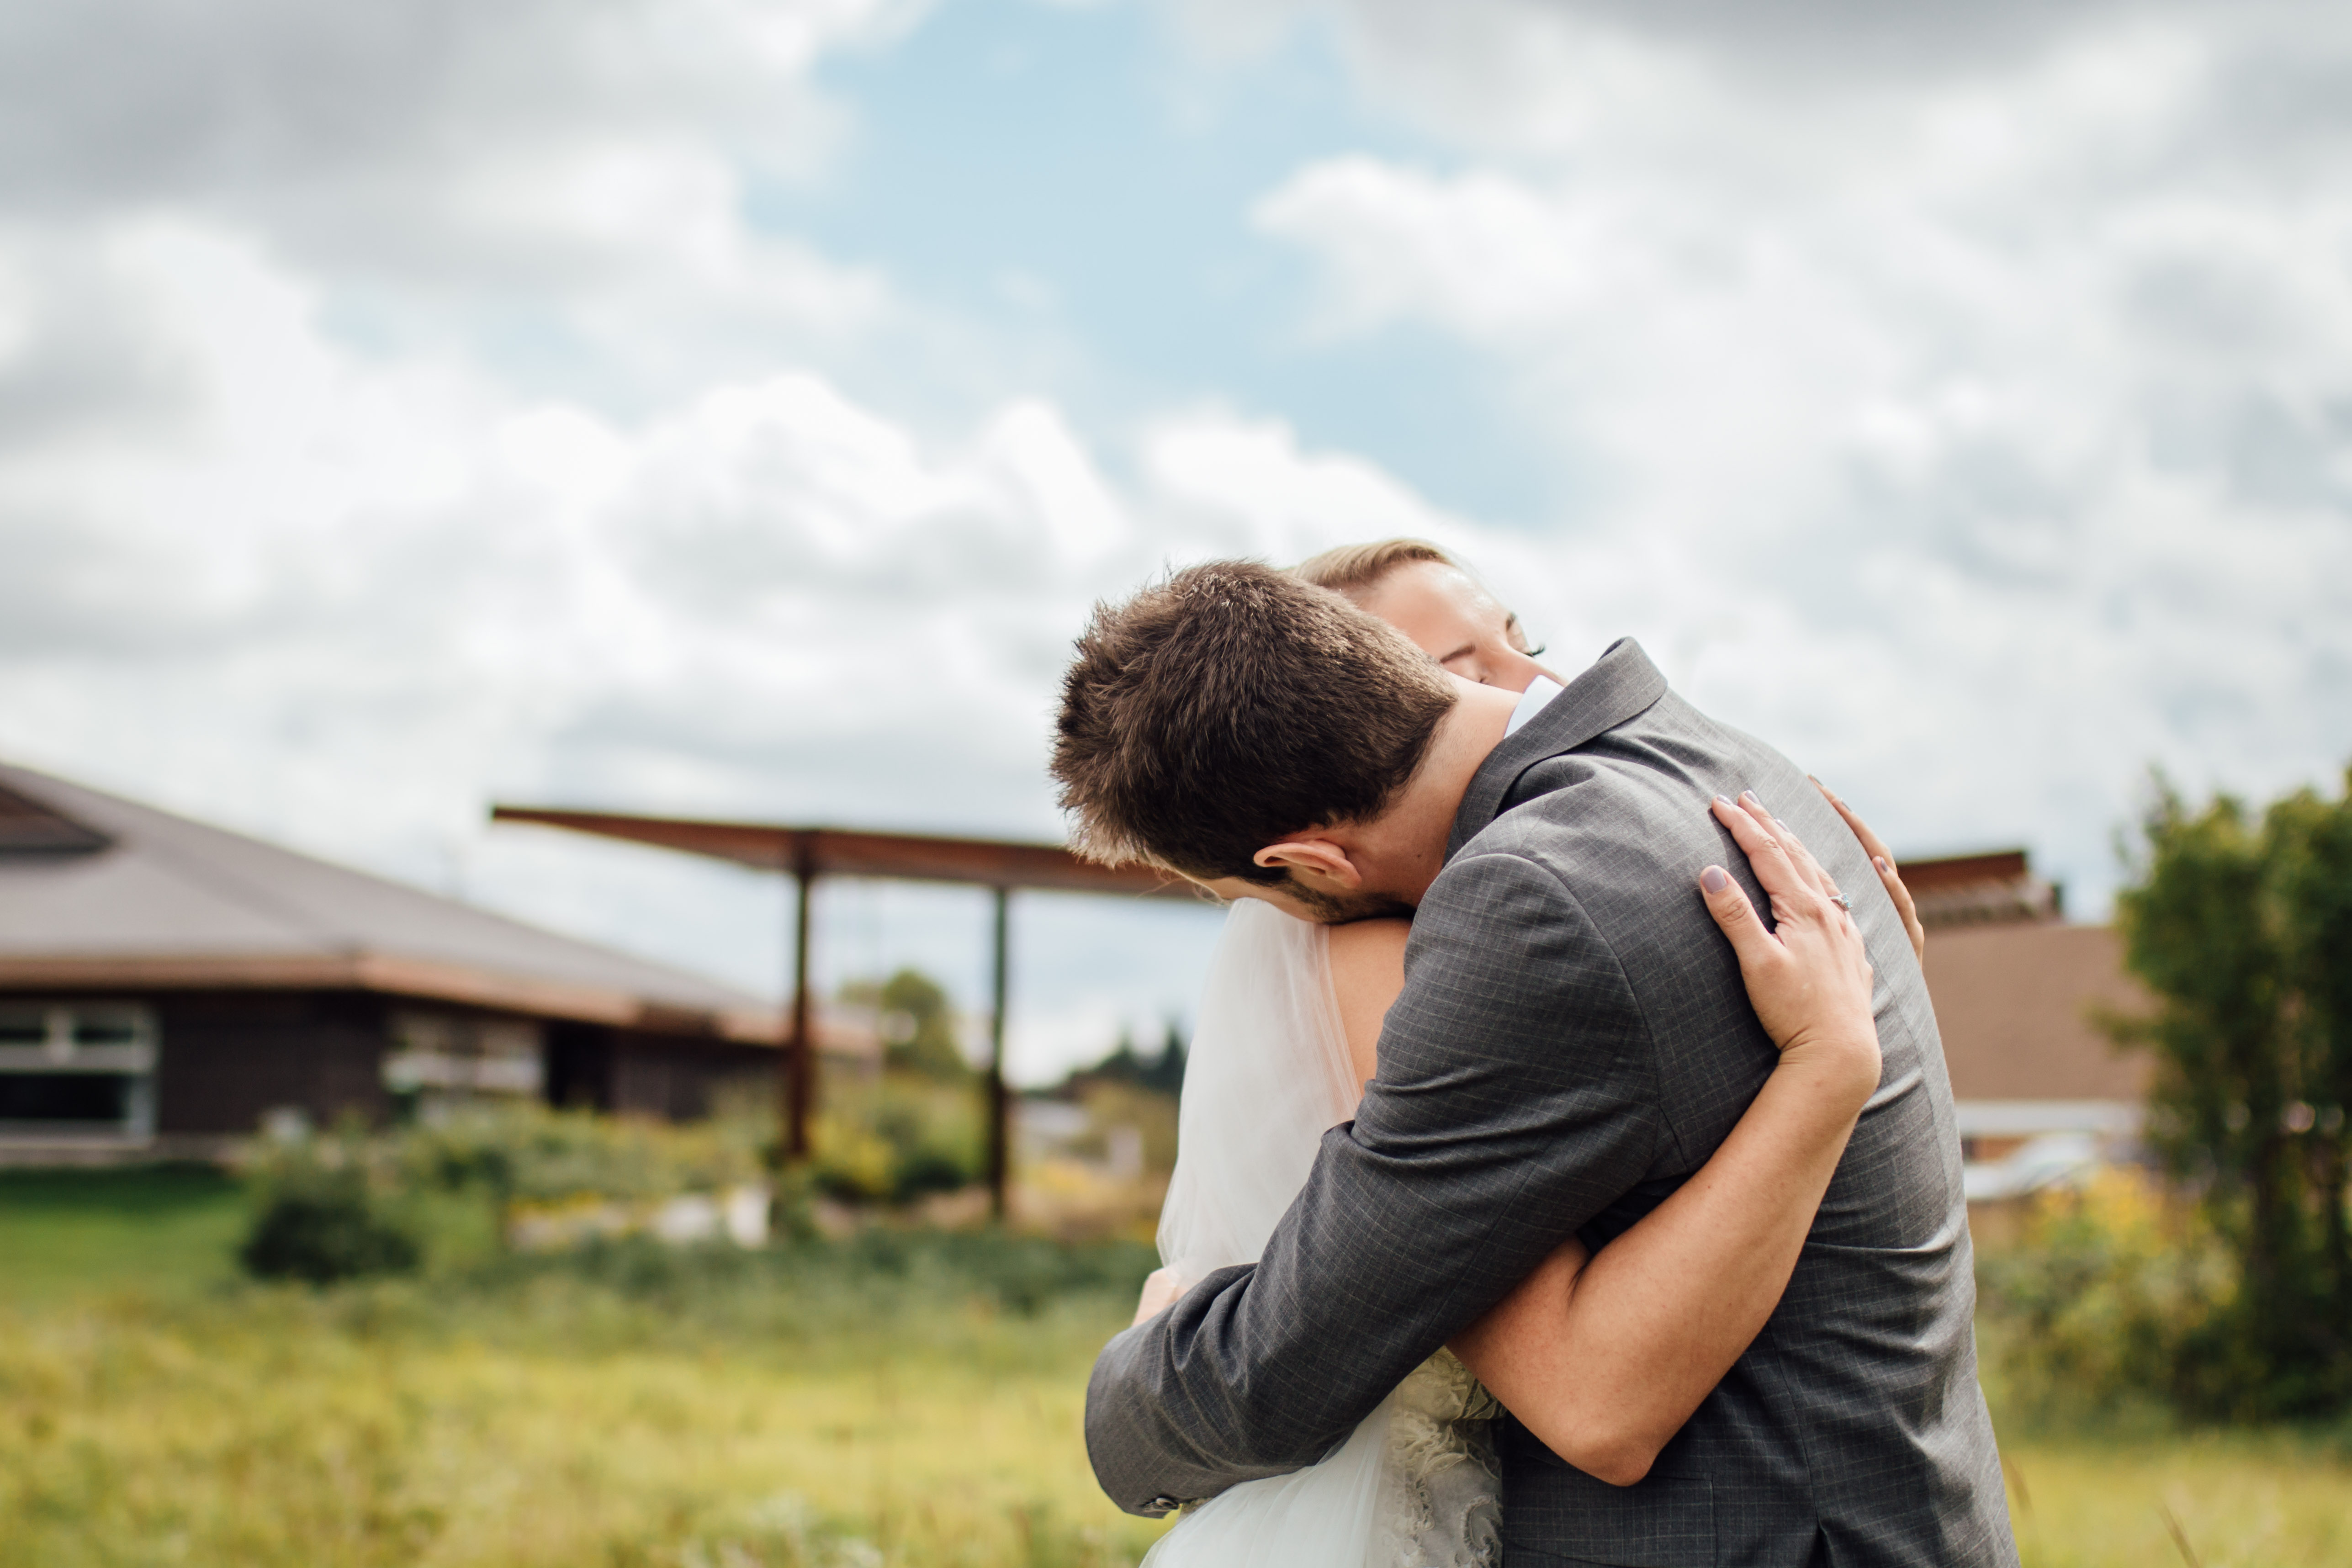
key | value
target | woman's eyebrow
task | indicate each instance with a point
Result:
(1465, 651)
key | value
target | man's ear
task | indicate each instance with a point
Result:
(1318, 862)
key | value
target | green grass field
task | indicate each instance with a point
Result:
(904, 1401)
(158, 1229)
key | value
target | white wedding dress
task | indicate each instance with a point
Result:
(1414, 1486)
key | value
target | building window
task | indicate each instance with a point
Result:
(77, 1070)
(440, 1060)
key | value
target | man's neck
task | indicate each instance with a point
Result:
(1407, 845)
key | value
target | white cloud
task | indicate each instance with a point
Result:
(346, 601)
(559, 191)
(398, 408)
(1975, 424)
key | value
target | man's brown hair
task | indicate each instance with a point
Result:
(1356, 569)
(1230, 705)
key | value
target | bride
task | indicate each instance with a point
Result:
(1602, 1356)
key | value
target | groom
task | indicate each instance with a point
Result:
(1572, 1041)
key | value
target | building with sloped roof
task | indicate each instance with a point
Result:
(167, 985)
(2039, 1090)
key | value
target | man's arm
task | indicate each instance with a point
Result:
(1516, 1098)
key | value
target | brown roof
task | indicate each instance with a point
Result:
(28, 828)
(1978, 889)
(1944, 873)
(101, 893)
(850, 852)
(2013, 1003)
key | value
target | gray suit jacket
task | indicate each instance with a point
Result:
(1572, 1041)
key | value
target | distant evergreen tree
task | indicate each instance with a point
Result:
(1166, 1073)
(1162, 1074)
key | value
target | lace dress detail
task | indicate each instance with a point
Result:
(1441, 1500)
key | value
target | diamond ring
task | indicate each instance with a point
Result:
(1842, 901)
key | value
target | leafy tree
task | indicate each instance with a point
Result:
(919, 1028)
(2244, 932)
(2312, 851)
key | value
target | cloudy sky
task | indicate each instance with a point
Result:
(731, 406)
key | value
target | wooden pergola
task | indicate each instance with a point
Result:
(805, 853)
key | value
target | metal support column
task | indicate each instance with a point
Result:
(800, 1058)
(999, 1110)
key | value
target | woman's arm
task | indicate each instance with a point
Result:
(1604, 1358)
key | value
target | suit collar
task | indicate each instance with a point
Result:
(1620, 683)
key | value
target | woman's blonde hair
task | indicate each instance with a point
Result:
(1356, 569)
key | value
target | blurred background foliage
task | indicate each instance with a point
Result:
(916, 1025)
(466, 1342)
(2088, 1315)
(902, 1136)
(2240, 926)
(458, 1191)
(901, 1394)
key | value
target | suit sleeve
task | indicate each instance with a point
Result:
(1517, 1099)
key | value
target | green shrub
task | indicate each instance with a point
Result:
(898, 1139)
(529, 1154)
(2113, 1296)
(320, 1224)
(449, 1192)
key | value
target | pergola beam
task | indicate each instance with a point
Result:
(805, 853)
(846, 852)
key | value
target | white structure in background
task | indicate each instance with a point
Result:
(2050, 1142)
(1056, 1130)
(2046, 1160)
(739, 1215)
(1043, 1129)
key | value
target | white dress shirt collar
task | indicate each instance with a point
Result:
(1531, 702)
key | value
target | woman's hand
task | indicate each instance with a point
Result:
(1883, 861)
(1162, 1289)
(1810, 977)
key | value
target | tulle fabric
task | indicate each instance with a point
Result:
(1268, 1074)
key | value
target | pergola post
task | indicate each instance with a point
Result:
(999, 1110)
(806, 853)
(800, 1051)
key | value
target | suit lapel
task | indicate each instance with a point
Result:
(1620, 683)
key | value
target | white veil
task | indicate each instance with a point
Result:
(1268, 1074)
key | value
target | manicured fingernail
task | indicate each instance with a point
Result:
(1713, 879)
(1723, 803)
(1749, 795)
(1880, 861)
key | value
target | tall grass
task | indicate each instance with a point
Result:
(902, 1398)
(2214, 1499)
(158, 1229)
(896, 1400)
